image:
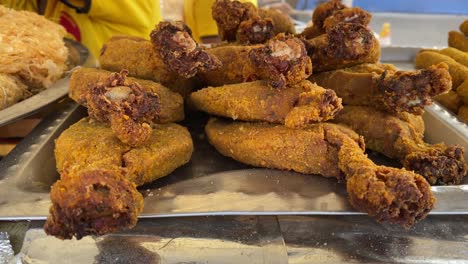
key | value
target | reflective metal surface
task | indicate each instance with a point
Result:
(182, 240)
(6, 251)
(58, 90)
(210, 184)
(359, 239)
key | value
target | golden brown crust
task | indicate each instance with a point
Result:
(397, 138)
(173, 42)
(344, 45)
(451, 100)
(296, 106)
(89, 144)
(282, 23)
(464, 27)
(141, 60)
(172, 104)
(387, 194)
(458, 40)
(323, 11)
(353, 15)
(381, 87)
(463, 113)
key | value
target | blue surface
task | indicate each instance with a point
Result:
(401, 6)
(415, 6)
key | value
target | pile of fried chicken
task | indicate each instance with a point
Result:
(309, 102)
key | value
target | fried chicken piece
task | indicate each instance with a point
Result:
(244, 23)
(346, 15)
(389, 195)
(93, 202)
(382, 87)
(99, 174)
(172, 104)
(464, 27)
(459, 73)
(283, 61)
(295, 106)
(397, 138)
(344, 45)
(125, 106)
(321, 13)
(140, 59)
(174, 43)
(458, 40)
(282, 23)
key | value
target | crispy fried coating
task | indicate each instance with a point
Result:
(458, 40)
(458, 72)
(462, 91)
(282, 23)
(99, 174)
(236, 66)
(387, 194)
(344, 45)
(141, 60)
(282, 60)
(451, 100)
(400, 139)
(172, 104)
(346, 15)
(458, 55)
(353, 15)
(382, 87)
(295, 106)
(174, 43)
(463, 113)
(322, 12)
(255, 30)
(125, 106)
(92, 202)
(244, 23)
(464, 27)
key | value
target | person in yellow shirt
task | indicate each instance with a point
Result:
(93, 22)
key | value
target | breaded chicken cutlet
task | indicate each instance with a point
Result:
(403, 139)
(295, 106)
(97, 191)
(384, 87)
(389, 195)
(282, 60)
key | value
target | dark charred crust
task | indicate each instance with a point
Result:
(325, 10)
(349, 41)
(391, 195)
(283, 60)
(438, 166)
(411, 91)
(255, 30)
(348, 15)
(95, 202)
(229, 15)
(174, 43)
(126, 107)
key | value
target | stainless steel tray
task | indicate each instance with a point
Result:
(210, 184)
(58, 90)
(248, 239)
